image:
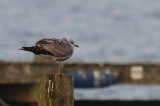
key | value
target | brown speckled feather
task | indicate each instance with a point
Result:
(58, 47)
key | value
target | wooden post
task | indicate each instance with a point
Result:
(40, 59)
(56, 90)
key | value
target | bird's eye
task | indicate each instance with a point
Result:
(72, 42)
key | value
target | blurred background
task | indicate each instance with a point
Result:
(106, 30)
(114, 35)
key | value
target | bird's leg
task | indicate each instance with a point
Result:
(59, 68)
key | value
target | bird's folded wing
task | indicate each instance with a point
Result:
(57, 47)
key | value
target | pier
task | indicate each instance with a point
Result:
(20, 82)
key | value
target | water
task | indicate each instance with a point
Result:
(106, 30)
(120, 92)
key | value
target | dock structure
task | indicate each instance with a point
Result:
(126, 73)
(56, 90)
(20, 82)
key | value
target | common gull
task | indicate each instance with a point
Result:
(56, 49)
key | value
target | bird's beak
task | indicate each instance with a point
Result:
(76, 45)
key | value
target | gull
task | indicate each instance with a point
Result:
(56, 49)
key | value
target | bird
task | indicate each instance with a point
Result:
(56, 49)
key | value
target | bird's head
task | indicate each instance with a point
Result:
(71, 41)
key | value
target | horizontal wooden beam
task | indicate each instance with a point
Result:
(30, 73)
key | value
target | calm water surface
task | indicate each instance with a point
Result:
(106, 30)
(119, 92)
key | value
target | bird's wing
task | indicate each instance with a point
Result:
(58, 47)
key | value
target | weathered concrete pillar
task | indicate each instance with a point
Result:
(56, 90)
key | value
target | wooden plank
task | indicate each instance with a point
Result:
(30, 73)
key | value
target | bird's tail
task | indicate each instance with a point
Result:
(33, 49)
(36, 50)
